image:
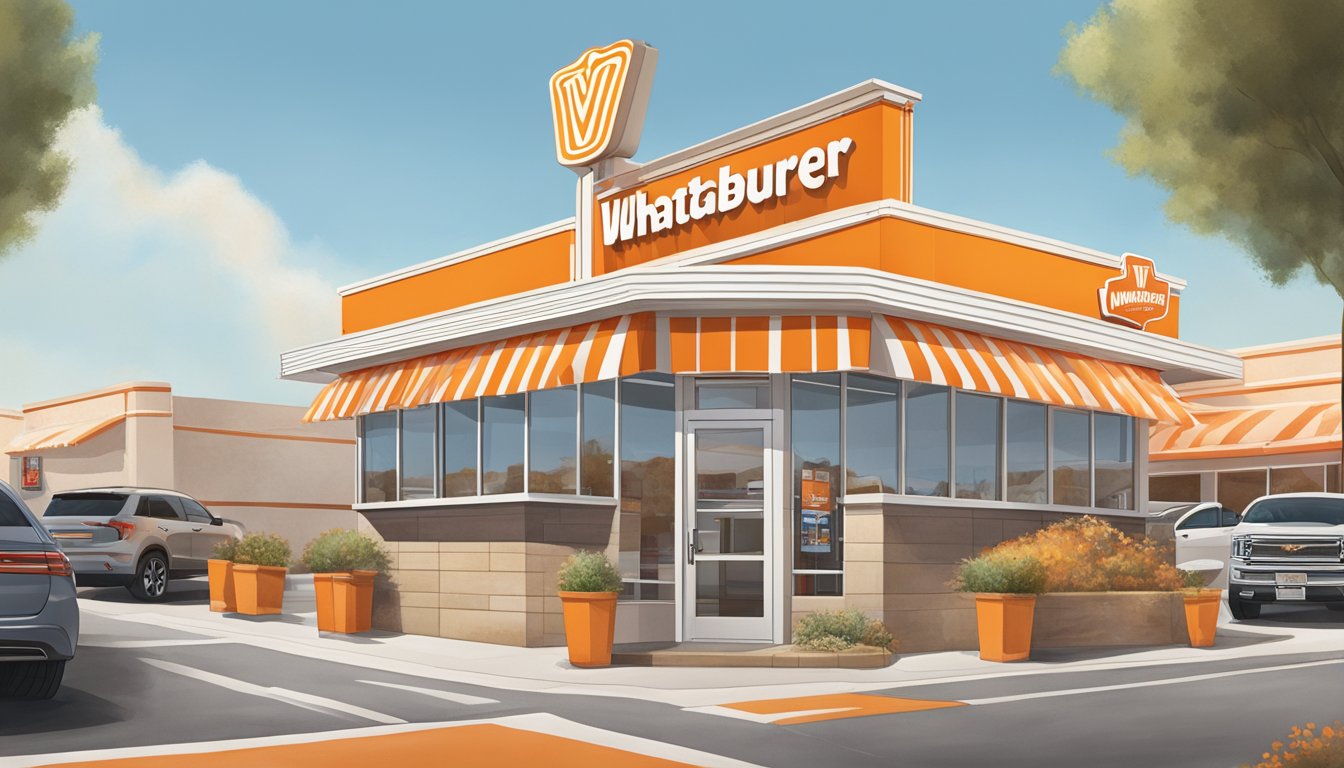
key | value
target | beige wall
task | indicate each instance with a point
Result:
(251, 462)
(261, 465)
(1291, 372)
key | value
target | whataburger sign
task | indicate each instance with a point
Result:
(635, 216)
(598, 103)
(1137, 296)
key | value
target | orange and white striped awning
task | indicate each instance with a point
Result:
(941, 355)
(1262, 430)
(605, 349)
(62, 436)
(764, 344)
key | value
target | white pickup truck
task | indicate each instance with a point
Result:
(1288, 548)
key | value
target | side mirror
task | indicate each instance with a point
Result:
(216, 521)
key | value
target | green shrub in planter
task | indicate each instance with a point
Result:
(342, 550)
(1194, 579)
(589, 572)
(262, 549)
(1002, 572)
(838, 630)
(226, 549)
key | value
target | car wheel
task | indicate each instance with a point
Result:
(1242, 609)
(151, 578)
(30, 679)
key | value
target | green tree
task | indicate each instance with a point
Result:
(44, 76)
(1236, 108)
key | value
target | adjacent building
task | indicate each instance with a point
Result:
(1277, 430)
(255, 463)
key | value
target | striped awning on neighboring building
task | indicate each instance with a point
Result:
(1229, 432)
(66, 435)
(940, 355)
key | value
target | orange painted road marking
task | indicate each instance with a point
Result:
(466, 746)
(847, 705)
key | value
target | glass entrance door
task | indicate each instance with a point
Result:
(730, 520)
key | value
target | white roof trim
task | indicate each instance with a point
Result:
(842, 218)
(756, 289)
(464, 255)
(784, 123)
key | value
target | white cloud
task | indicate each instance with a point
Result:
(185, 277)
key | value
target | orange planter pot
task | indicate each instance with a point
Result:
(1004, 623)
(1201, 616)
(590, 627)
(222, 599)
(259, 589)
(344, 601)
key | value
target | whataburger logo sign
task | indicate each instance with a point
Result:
(635, 216)
(598, 102)
(1138, 296)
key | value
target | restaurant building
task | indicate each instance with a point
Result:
(753, 372)
(1277, 430)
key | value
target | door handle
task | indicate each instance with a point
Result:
(161, 528)
(692, 545)
(1185, 535)
(196, 530)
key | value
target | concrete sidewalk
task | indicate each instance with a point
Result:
(547, 669)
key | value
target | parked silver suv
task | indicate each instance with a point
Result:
(135, 537)
(39, 616)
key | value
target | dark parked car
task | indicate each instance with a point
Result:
(39, 616)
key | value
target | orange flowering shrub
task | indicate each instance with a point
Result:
(1084, 554)
(1306, 748)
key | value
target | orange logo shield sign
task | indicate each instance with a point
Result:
(1138, 296)
(598, 102)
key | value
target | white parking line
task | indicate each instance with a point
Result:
(456, 698)
(294, 698)
(766, 719)
(1148, 683)
(84, 643)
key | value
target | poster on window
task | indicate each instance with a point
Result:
(816, 511)
(31, 474)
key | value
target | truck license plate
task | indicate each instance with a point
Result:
(1290, 579)
(1290, 593)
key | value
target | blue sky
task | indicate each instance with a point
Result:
(359, 138)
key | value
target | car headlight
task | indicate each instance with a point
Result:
(1241, 546)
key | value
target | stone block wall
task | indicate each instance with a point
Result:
(900, 559)
(486, 574)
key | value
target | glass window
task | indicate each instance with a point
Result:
(94, 504)
(10, 514)
(195, 512)
(1204, 518)
(711, 394)
(872, 434)
(1236, 490)
(417, 452)
(1296, 479)
(459, 448)
(379, 446)
(1332, 478)
(502, 425)
(1115, 460)
(816, 478)
(597, 465)
(926, 440)
(160, 508)
(1174, 487)
(1026, 451)
(977, 446)
(648, 479)
(554, 416)
(1069, 460)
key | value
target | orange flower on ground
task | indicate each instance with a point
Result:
(1306, 749)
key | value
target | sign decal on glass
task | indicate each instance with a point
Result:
(816, 511)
